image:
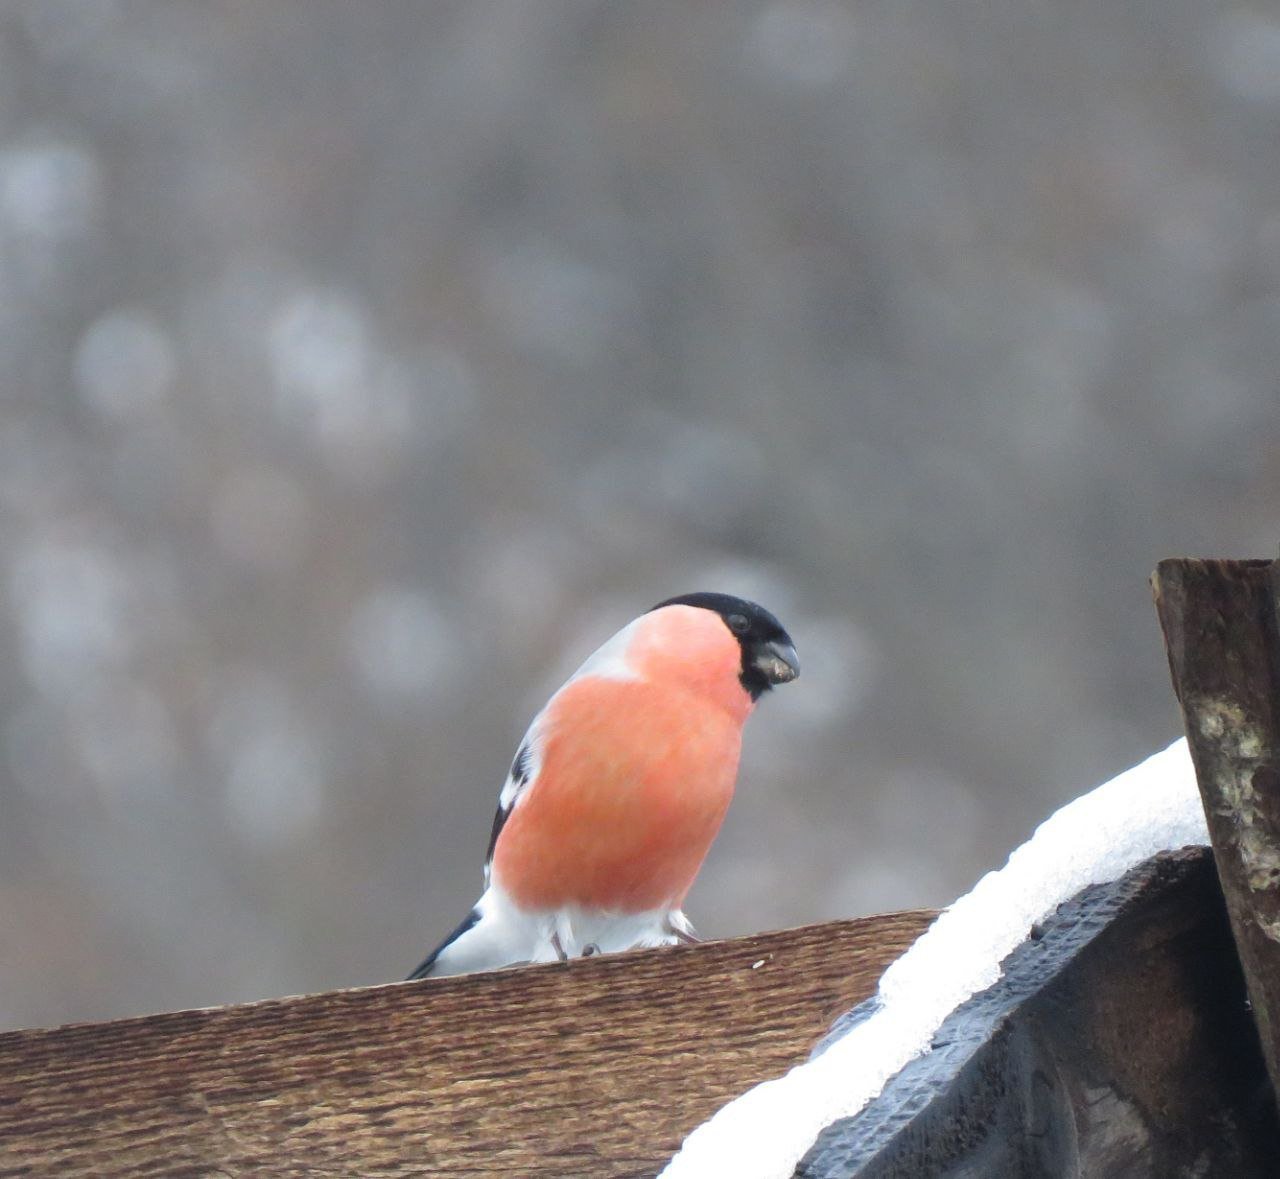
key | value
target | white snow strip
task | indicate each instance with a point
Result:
(1098, 837)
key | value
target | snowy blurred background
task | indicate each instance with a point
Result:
(362, 366)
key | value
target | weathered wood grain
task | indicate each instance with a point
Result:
(1219, 622)
(597, 1067)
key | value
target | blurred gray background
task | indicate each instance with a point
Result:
(363, 366)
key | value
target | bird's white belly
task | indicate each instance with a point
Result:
(505, 935)
(580, 930)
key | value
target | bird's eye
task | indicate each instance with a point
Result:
(737, 623)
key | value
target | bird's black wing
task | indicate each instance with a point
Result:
(517, 782)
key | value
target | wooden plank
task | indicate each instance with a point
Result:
(598, 1067)
(1115, 1043)
(1219, 621)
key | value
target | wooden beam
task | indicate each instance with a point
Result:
(1219, 622)
(598, 1067)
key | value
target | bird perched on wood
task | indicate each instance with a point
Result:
(619, 787)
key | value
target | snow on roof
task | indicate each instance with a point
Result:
(1153, 807)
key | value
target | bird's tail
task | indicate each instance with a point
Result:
(426, 968)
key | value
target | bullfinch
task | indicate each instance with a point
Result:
(619, 787)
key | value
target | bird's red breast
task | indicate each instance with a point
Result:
(635, 774)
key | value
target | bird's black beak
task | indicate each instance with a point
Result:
(778, 662)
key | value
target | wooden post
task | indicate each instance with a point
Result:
(1219, 622)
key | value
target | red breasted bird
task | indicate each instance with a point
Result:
(619, 787)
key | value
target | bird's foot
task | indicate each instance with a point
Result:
(559, 949)
(590, 950)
